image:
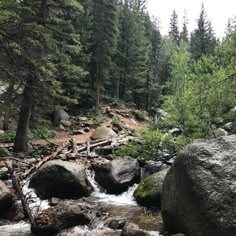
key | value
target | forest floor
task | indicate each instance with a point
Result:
(124, 115)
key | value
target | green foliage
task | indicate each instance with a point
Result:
(140, 115)
(117, 121)
(36, 133)
(99, 118)
(151, 144)
(8, 136)
(201, 93)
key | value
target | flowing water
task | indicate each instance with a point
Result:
(119, 208)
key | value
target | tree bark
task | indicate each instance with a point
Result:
(21, 139)
(8, 105)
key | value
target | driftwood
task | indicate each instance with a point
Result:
(45, 159)
(18, 189)
(102, 143)
(88, 147)
(73, 145)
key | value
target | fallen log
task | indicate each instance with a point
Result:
(18, 189)
(45, 159)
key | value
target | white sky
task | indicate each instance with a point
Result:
(218, 11)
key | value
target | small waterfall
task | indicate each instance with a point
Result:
(125, 198)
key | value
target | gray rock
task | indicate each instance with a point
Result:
(62, 216)
(103, 133)
(6, 197)
(66, 123)
(220, 132)
(3, 173)
(199, 191)
(61, 127)
(117, 175)
(228, 126)
(131, 229)
(149, 191)
(61, 179)
(59, 116)
(151, 167)
(83, 118)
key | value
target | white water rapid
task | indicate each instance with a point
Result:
(125, 198)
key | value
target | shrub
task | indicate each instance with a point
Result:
(35, 133)
(99, 119)
(151, 145)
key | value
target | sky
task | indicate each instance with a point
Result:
(218, 11)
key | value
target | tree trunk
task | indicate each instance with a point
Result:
(24, 118)
(97, 93)
(8, 105)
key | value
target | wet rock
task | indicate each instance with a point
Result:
(131, 229)
(151, 167)
(64, 215)
(116, 224)
(61, 179)
(60, 115)
(3, 173)
(6, 197)
(117, 175)
(148, 192)
(199, 191)
(103, 133)
(14, 213)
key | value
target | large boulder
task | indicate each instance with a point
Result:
(117, 175)
(103, 133)
(199, 191)
(61, 179)
(62, 216)
(148, 193)
(60, 115)
(6, 197)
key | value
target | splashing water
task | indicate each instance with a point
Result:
(125, 198)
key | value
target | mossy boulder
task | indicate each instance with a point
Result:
(148, 192)
(103, 133)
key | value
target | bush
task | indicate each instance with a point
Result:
(151, 145)
(140, 115)
(8, 136)
(35, 133)
(99, 119)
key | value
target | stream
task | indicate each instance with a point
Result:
(118, 208)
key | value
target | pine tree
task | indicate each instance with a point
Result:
(174, 29)
(133, 50)
(39, 43)
(184, 35)
(105, 31)
(203, 41)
